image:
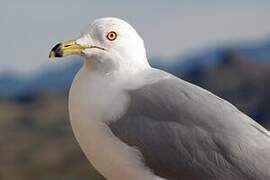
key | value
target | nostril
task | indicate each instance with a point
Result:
(68, 45)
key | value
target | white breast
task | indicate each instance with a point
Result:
(92, 101)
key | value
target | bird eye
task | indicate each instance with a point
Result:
(111, 36)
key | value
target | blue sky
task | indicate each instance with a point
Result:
(170, 28)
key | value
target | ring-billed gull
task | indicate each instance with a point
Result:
(135, 122)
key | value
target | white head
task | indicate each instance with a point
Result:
(109, 45)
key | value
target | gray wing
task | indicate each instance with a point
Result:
(186, 132)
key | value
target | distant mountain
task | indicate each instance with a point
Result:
(12, 86)
(213, 57)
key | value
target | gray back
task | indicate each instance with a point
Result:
(186, 132)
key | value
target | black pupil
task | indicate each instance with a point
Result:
(111, 36)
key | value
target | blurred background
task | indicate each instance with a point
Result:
(223, 46)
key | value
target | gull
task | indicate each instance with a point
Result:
(135, 122)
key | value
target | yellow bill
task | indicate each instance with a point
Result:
(67, 48)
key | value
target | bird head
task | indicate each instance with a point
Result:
(110, 44)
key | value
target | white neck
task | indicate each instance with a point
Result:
(124, 72)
